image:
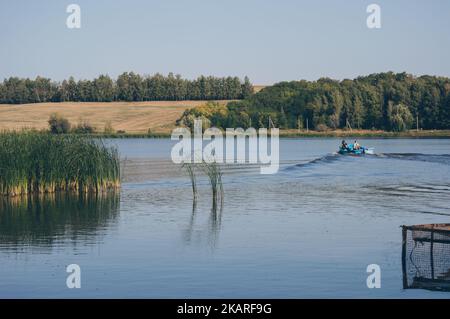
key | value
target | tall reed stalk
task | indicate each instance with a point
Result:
(214, 174)
(190, 169)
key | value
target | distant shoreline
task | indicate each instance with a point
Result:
(368, 133)
(155, 119)
(311, 134)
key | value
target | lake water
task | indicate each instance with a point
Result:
(308, 231)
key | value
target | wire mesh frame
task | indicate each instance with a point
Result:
(426, 257)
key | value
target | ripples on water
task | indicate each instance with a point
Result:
(308, 231)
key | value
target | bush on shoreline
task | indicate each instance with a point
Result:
(58, 125)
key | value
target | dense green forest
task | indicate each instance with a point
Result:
(127, 87)
(387, 101)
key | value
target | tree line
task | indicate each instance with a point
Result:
(388, 101)
(128, 86)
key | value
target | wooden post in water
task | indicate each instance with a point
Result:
(405, 276)
(431, 253)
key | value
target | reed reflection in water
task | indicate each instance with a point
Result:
(196, 227)
(43, 220)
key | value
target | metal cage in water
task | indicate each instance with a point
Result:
(426, 257)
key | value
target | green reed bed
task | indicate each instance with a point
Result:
(33, 163)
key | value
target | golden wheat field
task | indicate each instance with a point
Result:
(257, 88)
(131, 117)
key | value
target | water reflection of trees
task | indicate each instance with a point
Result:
(45, 219)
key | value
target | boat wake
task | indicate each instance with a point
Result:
(333, 157)
(329, 158)
(430, 158)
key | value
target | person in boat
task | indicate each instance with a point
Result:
(356, 145)
(344, 145)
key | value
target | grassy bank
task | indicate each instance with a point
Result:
(32, 163)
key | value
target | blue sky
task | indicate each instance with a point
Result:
(270, 41)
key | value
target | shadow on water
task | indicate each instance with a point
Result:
(44, 220)
(426, 257)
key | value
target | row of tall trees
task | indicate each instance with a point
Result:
(388, 101)
(128, 86)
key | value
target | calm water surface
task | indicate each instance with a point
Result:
(308, 231)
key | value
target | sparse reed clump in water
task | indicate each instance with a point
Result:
(33, 162)
(214, 173)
